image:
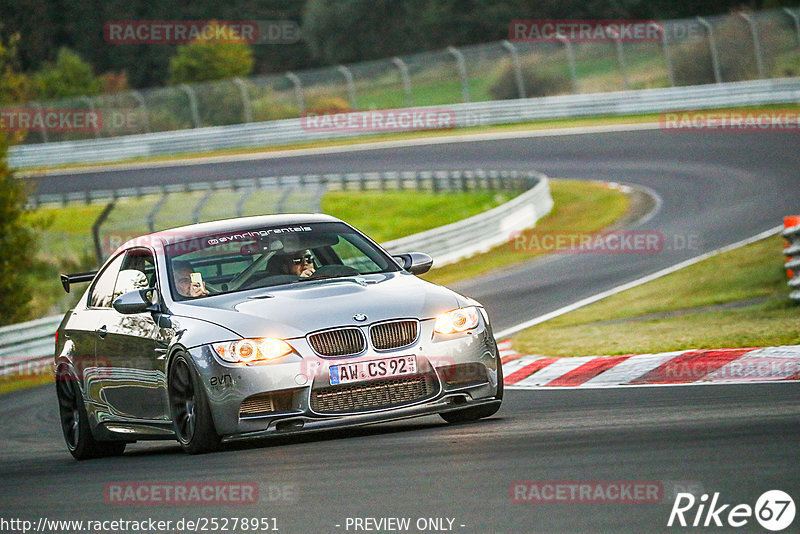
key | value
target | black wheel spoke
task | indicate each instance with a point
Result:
(183, 401)
(67, 393)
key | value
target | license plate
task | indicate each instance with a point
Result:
(372, 369)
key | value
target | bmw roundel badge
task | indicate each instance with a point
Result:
(360, 317)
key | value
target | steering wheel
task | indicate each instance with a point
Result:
(333, 271)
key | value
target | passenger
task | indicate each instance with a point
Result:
(182, 272)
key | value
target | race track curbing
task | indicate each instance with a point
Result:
(708, 366)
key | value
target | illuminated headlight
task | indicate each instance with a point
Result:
(252, 350)
(459, 320)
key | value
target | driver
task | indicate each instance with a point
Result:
(182, 274)
(301, 263)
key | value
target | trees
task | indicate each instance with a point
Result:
(16, 237)
(202, 61)
(14, 85)
(69, 76)
(16, 244)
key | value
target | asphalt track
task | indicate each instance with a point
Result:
(740, 441)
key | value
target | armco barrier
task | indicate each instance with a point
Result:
(280, 132)
(420, 180)
(792, 234)
(24, 345)
(461, 239)
(28, 346)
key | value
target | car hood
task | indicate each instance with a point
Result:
(293, 310)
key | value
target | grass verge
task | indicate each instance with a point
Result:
(584, 207)
(393, 214)
(736, 299)
(13, 383)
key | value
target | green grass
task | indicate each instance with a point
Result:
(735, 299)
(584, 207)
(393, 214)
(12, 383)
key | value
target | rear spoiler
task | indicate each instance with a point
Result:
(67, 279)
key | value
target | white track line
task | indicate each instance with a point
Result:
(643, 280)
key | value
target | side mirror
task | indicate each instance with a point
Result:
(138, 301)
(415, 262)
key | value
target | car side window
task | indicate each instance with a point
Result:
(137, 272)
(141, 259)
(103, 289)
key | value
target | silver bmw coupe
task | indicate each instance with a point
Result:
(260, 326)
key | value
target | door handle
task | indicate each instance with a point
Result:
(102, 331)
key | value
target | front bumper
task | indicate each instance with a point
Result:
(281, 398)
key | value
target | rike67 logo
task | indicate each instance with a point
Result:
(774, 511)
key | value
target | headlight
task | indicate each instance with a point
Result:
(459, 320)
(252, 350)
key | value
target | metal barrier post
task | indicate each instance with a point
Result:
(138, 96)
(298, 91)
(756, 44)
(89, 101)
(192, 104)
(512, 50)
(98, 247)
(401, 65)
(712, 45)
(351, 86)
(38, 106)
(462, 72)
(620, 57)
(796, 19)
(667, 56)
(573, 71)
(151, 217)
(247, 108)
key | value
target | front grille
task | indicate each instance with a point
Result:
(339, 342)
(393, 335)
(372, 395)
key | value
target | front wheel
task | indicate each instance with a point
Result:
(191, 416)
(75, 422)
(478, 412)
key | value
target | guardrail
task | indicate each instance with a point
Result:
(281, 132)
(27, 348)
(420, 180)
(792, 234)
(452, 242)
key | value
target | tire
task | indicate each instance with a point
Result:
(478, 412)
(188, 403)
(75, 422)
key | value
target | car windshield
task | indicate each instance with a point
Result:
(270, 256)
